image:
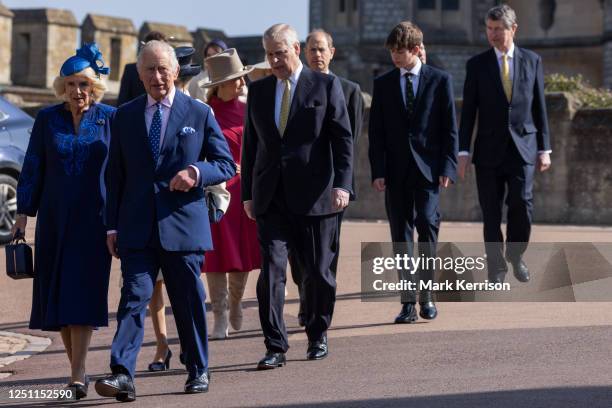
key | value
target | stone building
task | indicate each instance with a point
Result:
(203, 36)
(568, 34)
(42, 40)
(178, 33)
(6, 28)
(117, 39)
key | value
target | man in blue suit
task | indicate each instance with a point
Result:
(296, 176)
(165, 148)
(504, 87)
(413, 152)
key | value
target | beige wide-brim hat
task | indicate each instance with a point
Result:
(224, 66)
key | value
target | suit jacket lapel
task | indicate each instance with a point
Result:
(141, 125)
(493, 67)
(423, 82)
(397, 90)
(177, 114)
(302, 89)
(269, 94)
(519, 66)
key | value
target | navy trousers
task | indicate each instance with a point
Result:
(312, 242)
(181, 271)
(413, 202)
(511, 181)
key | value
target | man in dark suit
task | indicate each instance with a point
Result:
(413, 151)
(296, 176)
(319, 53)
(131, 86)
(165, 148)
(504, 87)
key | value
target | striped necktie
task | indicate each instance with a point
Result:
(284, 113)
(506, 81)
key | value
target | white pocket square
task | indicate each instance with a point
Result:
(187, 130)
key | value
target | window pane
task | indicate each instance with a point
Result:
(427, 4)
(450, 4)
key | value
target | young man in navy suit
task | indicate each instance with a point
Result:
(504, 88)
(297, 158)
(165, 148)
(413, 152)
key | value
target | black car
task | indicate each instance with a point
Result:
(15, 128)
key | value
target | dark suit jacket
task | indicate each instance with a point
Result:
(522, 121)
(137, 189)
(355, 107)
(131, 85)
(431, 133)
(314, 155)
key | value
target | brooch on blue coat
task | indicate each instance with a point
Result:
(100, 122)
(187, 130)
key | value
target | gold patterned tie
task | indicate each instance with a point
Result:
(506, 81)
(284, 113)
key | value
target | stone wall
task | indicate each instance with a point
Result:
(117, 39)
(576, 190)
(6, 28)
(42, 40)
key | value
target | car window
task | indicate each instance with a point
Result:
(3, 116)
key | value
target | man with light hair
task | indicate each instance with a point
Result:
(165, 148)
(296, 176)
(504, 89)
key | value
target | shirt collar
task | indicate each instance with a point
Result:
(510, 54)
(416, 70)
(295, 76)
(166, 102)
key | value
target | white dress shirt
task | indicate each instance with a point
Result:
(416, 72)
(280, 89)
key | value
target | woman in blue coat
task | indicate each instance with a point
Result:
(62, 184)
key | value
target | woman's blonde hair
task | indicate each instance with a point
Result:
(98, 87)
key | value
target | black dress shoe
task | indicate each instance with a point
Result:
(408, 314)
(119, 386)
(428, 310)
(497, 277)
(195, 385)
(161, 365)
(80, 390)
(317, 350)
(521, 273)
(272, 359)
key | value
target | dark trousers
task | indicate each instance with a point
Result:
(512, 180)
(181, 271)
(312, 240)
(297, 274)
(413, 202)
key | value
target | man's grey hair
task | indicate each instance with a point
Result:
(328, 37)
(503, 13)
(158, 45)
(281, 32)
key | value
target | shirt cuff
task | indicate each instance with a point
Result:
(544, 151)
(463, 153)
(197, 173)
(109, 232)
(343, 189)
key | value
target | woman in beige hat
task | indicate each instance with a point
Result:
(236, 250)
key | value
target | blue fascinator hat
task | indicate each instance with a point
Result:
(87, 56)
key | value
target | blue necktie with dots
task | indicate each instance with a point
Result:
(155, 132)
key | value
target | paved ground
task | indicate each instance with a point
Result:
(473, 355)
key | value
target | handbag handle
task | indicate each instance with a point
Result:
(18, 237)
